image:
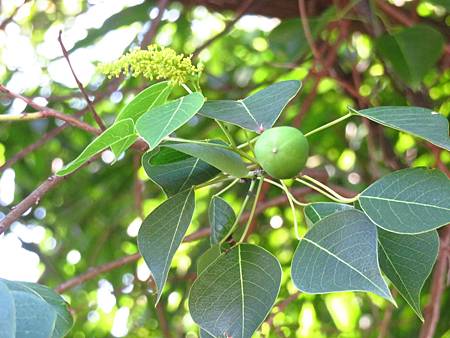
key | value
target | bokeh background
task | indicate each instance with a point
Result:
(364, 58)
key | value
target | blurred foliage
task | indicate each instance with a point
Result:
(94, 211)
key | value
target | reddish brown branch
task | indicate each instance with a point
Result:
(151, 33)
(163, 321)
(308, 35)
(282, 305)
(80, 85)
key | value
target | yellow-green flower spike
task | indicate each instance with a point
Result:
(155, 63)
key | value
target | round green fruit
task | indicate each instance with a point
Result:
(282, 151)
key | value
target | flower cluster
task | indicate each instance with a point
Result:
(155, 63)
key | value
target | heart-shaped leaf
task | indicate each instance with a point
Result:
(317, 211)
(175, 171)
(256, 112)
(407, 260)
(421, 122)
(412, 51)
(339, 253)
(116, 133)
(221, 218)
(7, 313)
(216, 155)
(408, 201)
(162, 232)
(161, 121)
(150, 97)
(234, 294)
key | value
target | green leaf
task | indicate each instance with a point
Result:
(411, 52)
(175, 171)
(339, 253)
(207, 258)
(117, 132)
(421, 122)
(317, 211)
(64, 320)
(407, 260)
(235, 293)
(216, 155)
(162, 232)
(288, 41)
(150, 97)
(256, 112)
(7, 313)
(161, 121)
(221, 218)
(443, 3)
(408, 201)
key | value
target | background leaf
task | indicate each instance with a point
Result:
(175, 171)
(407, 260)
(421, 122)
(219, 157)
(162, 232)
(159, 122)
(257, 111)
(236, 292)
(117, 132)
(221, 218)
(408, 201)
(150, 97)
(411, 51)
(317, 211)
(339, 253)
(7, 313)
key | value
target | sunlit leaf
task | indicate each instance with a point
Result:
(407, 260)
(161, 121)
(150, 97)
(256, 112)
(408, 201)
(339, 253)
(421, 122)
(116, 133)
(219, 157)
(162, 232)
(234, 294)
(175, 171)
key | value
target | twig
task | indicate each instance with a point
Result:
(98, 270)
(163, 321)
(282, 305)
(11, 17)
(151, 33)
(43, 112)
(307, 31)
(80, 85)
(387, 317)
(433, 309)
(239, 13)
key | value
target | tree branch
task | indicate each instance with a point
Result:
(80, 85)
(151, 33)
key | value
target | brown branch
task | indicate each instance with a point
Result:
(11, 17)
(43, 112)
(151, 33)
(282, 305)
(80, 85)
(433, 309)
(387, 318)
(308, 35)
(163, 321)
(243, 8)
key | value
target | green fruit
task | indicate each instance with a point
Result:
(282, 151)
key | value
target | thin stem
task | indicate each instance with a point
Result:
(327, 194)
(252, 211)
(21, 117)
(226, 133)
(323, 186)
(241, 211)
(284, 188)
(291, 203)
(325, 126)
(218, 179)
(187, 88)
(229, 186)
(250, 144)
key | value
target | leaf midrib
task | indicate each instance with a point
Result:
(347, 264)
(404, 202)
